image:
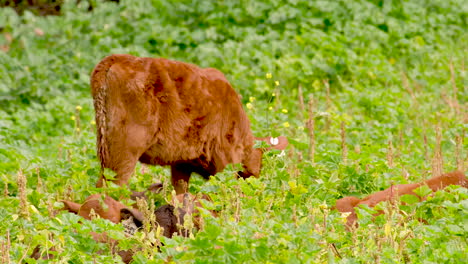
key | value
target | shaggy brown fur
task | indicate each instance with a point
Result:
(347, 204)
(163, 112)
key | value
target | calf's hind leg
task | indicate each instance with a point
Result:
(123, 165)
(125, 147)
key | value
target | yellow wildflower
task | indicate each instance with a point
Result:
(251, 99)
(72, 117)
(78, 108)
(285, 110)
(268, 75)
(93, 122)
(277, 83)
(286, 124)
(249, 106)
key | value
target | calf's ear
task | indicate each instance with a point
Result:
(126, 213)
(154, 188)
(71, 206)
(278, 143)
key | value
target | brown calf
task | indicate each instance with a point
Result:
(163, 112)
(347, 204)
(169, 217)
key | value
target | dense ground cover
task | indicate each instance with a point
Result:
(384, 83)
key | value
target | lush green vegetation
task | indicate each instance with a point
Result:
(388, 87)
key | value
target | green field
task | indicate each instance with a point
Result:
(384, 82)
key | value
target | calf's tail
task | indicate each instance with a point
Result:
(99, 91)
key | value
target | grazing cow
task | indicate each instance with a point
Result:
(347, 204)
(163, 112)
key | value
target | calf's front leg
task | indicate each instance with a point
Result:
(180, 177)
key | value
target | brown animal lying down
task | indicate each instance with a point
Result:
(347, 204)
(169, 217)
(163, 112)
